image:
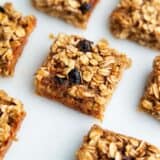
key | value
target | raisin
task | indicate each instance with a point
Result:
(85, 7)
(10, 121)
(1, 112)
(74, 76)
(84, 45)
(59, 80)
(2, 9)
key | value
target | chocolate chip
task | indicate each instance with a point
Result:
(84, 45)
(85, 7)
(2, 9)
(74, 76)
(59, 80)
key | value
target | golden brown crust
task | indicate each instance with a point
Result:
(81, 74)
(17, 52)
(72, 103)
(102, 144)
(68, 10)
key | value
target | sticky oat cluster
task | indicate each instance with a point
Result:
(76, 12)
(81, 74)
(14, 31)
(138, 20)
(150, 101)
(11, 116)
(102, 144)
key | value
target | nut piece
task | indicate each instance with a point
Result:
(137, 20)
(150, 102)
(113, 146)
(81, 74)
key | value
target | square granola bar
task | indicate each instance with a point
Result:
(76, 12)
(81, 74)
(137, 20)
(102, 144)
(11, 116)
(150, 102)
(14, 32)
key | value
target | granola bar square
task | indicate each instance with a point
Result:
(81, 74)
(14, 32)
(74, 12)
(11, 116)
(137, 20)
(150, 102)
(104, 144)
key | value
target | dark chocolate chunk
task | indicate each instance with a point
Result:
(85, 7)
(85, 45)
(74, 76)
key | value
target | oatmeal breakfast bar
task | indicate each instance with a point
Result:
(11, 116)
(76, 12)
(81, 74)
(150, 102)
(14, 32)
(137, 20)
(102, 144)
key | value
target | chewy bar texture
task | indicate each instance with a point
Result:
(14, 32)
(11, 115)
(76, 12)
(102, 144)
(150, 101)
(137, 20)
(81, 74)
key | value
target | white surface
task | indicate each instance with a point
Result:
(52, 131)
